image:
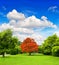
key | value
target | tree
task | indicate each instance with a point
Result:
(55, 51)
(7, 42)
(48, 44)
(29, 46)
(57, 42)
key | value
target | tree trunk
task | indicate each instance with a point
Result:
(29, 53)
(3, 54)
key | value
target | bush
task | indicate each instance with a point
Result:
(14, 51)
(46, 52)
(55, 51)
(8, 51)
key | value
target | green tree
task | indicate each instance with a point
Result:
(48, 44)
(7, 42)
(57, 42)
(55, 51)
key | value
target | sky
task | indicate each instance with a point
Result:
(36, 19)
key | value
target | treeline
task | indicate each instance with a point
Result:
(50, 46)
(11, 45)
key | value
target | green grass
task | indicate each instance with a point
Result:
(23, 59)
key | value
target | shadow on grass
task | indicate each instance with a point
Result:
(7, 56)
(33, 54)
(24, 54)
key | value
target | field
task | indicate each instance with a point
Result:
(24, 59)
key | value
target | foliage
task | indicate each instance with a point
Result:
(57, 42)
(39, 49)
(48, 44)
(20, 51)
(14, 51)
(19, 42)
(29, 46)
(7, 42)
(55, 51)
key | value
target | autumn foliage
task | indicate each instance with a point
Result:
(29, 45)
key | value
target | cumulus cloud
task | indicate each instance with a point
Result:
(14, 29)
(44, 18)
(23, 30)
(38, 38)
(5, 26)
(25, 26)
(33, 22)
(29, 22)
(15, 15)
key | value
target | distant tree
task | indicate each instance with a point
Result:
(29, 46)
(7, 42)
(48, 44)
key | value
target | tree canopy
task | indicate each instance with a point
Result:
(29, 46)
(49, 43)
(7, 41)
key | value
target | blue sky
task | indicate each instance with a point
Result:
(27, 12)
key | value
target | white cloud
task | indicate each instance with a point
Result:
(5, 26)
(33, 22)
(29, 22)
(20, 36)
(12, 22)
(37, 37)
(15, 15)
(25, 26)
(19, 30)
(23, 30)
(44, 18)
(23, 33)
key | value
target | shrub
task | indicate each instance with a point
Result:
(14, 51)
(55, 51)
(8, 51)
(46, 51)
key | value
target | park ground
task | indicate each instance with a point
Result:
(25, 59)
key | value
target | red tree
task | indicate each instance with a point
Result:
(29, 46)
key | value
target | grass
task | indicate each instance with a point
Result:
(23, 59)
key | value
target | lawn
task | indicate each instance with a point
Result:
(23, 59)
